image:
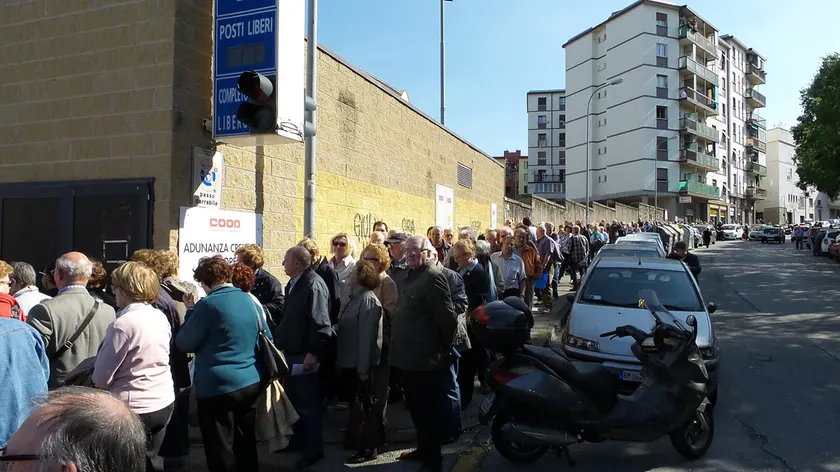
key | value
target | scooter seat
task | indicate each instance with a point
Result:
(599, 384)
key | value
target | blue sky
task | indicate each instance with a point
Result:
(497, 50)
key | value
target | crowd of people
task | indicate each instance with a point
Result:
(388, 326)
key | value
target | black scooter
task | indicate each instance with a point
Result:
(542, 400)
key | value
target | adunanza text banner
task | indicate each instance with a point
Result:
(207, 232)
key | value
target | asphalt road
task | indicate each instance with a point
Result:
(778, 326)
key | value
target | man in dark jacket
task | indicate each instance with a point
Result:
(396, 248)
(681, 254)
(303, 329)
(267, 289)
(476, 285)
(422, 332)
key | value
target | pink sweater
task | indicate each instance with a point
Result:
(134, 360)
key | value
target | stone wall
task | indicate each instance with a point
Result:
(541, 210)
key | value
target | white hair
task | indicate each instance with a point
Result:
(74, 271)
(482, 247)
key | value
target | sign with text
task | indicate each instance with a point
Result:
(207, 232)
(685, 199)
(208, 174)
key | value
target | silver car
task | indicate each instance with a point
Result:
(646, 239)
(637, 251)
(609, 297)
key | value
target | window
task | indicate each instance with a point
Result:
(561, 102)
(661, 55)
(661, 148)
(661, 86)
(542, 122)
(541, 104)
(723, 110)
(723, 84)
(789, 175)
(662, 179)
(662, 24)
(562, 122)
(561, 158)
(561, 138)
(541, 158)
(464, 176)
(661, 117)
(541, 141)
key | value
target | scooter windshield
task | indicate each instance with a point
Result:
(649, 299)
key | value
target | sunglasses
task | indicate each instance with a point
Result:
(338, 244)
(5, 458)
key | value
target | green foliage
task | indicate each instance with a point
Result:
(817, 134)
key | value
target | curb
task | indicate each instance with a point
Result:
(473, 459)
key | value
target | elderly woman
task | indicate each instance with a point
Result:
(97, 282)
(386, 290)
(343, 262)
(221, 329)
(360, 349)
(133, 362)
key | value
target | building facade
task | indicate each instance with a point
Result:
(516, 173)
(547, 144)
(646, 116)
(99, 142)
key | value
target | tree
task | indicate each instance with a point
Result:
(817, 134)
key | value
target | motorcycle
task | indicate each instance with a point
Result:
(542, 400)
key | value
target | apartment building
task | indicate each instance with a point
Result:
(646, 115)
(785, 201)
(516, 173)
(547, 143)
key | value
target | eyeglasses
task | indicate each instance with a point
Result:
(4, 458)
(371, 259)
(339, 244)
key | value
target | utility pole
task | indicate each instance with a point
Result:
(442, 66)
(309, 126)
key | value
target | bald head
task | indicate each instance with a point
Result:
(73, 268)
(296, 261)
(377, 237)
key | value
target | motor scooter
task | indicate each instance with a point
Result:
(543, 400)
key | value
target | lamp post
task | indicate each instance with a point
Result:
(615, 81)
(442, 67)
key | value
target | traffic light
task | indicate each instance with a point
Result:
(260, 111)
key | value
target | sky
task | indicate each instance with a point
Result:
(498, 50)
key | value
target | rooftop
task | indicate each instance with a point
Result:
(532, 92)
(732, 39)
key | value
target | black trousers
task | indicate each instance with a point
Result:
(227, 430)
(470, 364)
(176, 442)
(426, 399)
(155, 425)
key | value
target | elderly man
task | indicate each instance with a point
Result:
(549, 255)
(73, 323)
(513, 280)
(24, 288)
(396, 248)
(491, 236)
(422, 333)
(525, 249)
(302, 333)
(443, 248)
(378, 237)
(78, 429)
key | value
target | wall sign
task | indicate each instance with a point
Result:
(207, 178)
(206, 232)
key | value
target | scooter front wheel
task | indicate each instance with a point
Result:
(514, 452)
(694, 439)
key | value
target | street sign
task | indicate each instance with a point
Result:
(262, 36)
(685, 199)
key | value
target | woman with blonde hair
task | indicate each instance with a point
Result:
(343, 262)
(133, 362)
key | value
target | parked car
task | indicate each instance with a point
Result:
(645, 239)
(834, 249)
(731, 232)
(636, 251)
(772, 234)
(609, 295)
(755, 232)
(826, 237)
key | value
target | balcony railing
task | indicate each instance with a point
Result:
(755, 98)
(685, 32)
(756, 192)
(692, 154)
(757, 144)
(756, 168)
(699, 190)
(698, 98)
(757, 121)
(755, 74)
(699, 70)
(691, 125)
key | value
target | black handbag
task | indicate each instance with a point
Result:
(274, 362)
(365, 425)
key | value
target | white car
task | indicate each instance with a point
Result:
(827, 239)
(731, 232)
(609, 295)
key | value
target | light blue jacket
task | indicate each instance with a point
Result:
(24, 370)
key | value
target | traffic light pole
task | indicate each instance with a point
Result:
(310, 164)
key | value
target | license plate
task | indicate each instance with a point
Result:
(631, 376)
(487, 403)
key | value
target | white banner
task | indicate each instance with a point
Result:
(208, 172)
(206, 232)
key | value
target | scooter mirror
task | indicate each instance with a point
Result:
(691, 320)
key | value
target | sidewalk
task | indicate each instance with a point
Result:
(401, 434)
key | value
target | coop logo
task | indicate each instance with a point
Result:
(225, 223)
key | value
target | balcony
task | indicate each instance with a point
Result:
(699, 99)
(756, 168)
(755, 74)
(691, 125)
(757, 121)
(688, 35)
(692, 66)
(755, 99)
(756, 193)
(696, 189)
(756, 144)
(693, 155)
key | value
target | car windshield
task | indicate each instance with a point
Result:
(628, 252)
(621, 287)
(771, 230)
(756, 227)
(832, 235)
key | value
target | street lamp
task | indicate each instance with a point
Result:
(442, 67)
(615, 81)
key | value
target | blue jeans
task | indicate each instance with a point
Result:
(453, 393)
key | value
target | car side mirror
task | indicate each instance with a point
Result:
(570, 297)
(712, 307)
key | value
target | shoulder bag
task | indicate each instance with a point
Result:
(81, 329)
(273, 360)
